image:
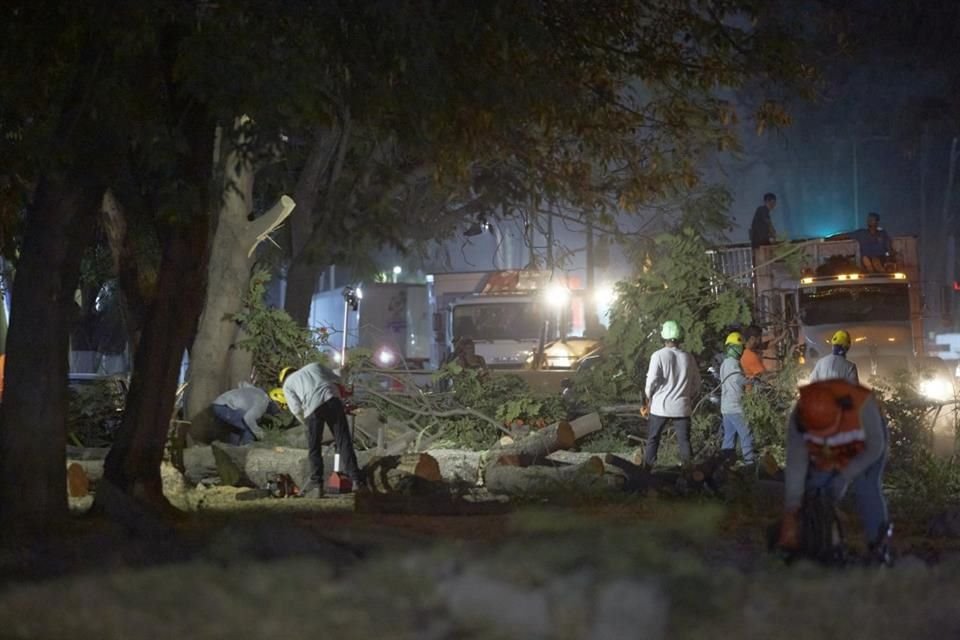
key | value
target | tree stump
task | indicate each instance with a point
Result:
(411, 473)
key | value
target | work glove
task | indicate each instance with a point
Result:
(789, 531)
(257, 432)
(838, 487)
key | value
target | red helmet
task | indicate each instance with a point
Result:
(819, 410)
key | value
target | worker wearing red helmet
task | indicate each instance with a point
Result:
(837, 439)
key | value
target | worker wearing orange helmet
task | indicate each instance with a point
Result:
(836, 366)
(837, 439)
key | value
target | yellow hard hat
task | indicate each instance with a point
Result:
(283, 374)
(277, 395)
(841, 339)
(734, 337)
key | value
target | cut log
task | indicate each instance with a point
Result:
(199, 464)
(78, 484)
(537, 446)
(529, 481)
(252, 466)
(585, 425)
(412, 473)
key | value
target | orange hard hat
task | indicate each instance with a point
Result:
(819, 411)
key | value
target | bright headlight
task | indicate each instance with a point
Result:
(937, 389)
(557, 295)
(385, 357)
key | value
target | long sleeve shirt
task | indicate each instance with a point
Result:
(309, 387)
(732, 383)
(798, 457)
(673, 382)
(253, 401)
(832, 367)
(762, 231)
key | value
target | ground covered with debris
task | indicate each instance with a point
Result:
(581, 567)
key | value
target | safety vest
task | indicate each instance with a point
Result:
(835, 451)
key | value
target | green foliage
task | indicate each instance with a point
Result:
(766, 408)
(919, 480)
(275, 340)
(673, 281)
(94, 412)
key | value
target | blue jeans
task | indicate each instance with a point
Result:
(735, 424)
(239, 432)
(868, 492)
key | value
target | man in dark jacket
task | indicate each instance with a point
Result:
(762, 231)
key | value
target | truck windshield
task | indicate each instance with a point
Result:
(498, 321)
(854, 304)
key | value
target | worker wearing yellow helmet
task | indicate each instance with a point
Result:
(732, 384)
(836, 366)
(312, 394)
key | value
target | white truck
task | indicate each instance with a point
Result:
(509, 315)
(881, 311)
(392, 320)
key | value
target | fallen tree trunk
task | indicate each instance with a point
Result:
(199, 464)
(252, 466)
(411, 473)
(585, 425)
(535, 447)
(526, 481)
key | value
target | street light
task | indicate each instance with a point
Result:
(396, 272)
(351, 302)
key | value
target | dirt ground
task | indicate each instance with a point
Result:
(586, 568)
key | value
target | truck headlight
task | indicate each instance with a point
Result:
(386, 357)
(936, 389)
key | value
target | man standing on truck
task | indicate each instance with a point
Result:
(762, 231)
(836, 366)
(673, 381)
(876, 248)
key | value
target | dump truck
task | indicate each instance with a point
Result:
(815, 287)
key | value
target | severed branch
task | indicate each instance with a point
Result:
(261, 228)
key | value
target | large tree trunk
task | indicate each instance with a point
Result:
(33, 414)
(319, 172)
(212, 366)
(133, 465)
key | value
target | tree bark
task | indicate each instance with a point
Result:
(60, 225)
(251, 466)
(514, 480)
(537, 446)
(215, 363)
(585, 425)
(302, 274)
(133, 464)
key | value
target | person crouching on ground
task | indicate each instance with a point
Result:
(673, 382)
(240, 410)
(836, 439)
(312, 394)
(732, 383)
